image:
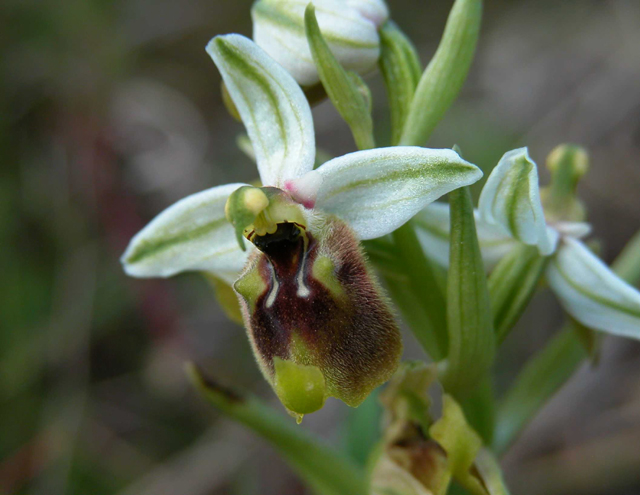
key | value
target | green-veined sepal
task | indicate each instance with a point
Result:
(191, 235)
(591, 293)
(272, 106)
(432, 228)
(510, 199)
(376, 191)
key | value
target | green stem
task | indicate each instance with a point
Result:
(540, 379)
(479, 409)
(432, 330)
(627, 264)
(325, 470)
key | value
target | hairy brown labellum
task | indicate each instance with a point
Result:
(318, 322)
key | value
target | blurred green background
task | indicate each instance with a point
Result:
(111, 111)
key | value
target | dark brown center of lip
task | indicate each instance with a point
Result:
(284, 239)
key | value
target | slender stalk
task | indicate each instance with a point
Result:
(327, 471)
(512, 284)
(432, 332)
(540, 379)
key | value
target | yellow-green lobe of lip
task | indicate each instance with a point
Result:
(242, 208)
(300, 388)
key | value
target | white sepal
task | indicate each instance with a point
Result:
(191, 235)
(432, 228)
(272, 106)
(577, 230)
(376, 191)
(278, 27)
(591, 293)
(511, 200)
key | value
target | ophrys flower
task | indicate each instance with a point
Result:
(317, 320)
(510, 211)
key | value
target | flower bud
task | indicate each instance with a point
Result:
(316, 318)
(567, 164)
(350, 28)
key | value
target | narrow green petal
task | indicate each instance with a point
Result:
(344, 89)
(401, 69)
(512, 285)
(432, 227)
(443, 78)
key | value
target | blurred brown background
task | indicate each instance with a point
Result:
(111, 111)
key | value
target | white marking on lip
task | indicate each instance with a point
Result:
(303, 290)
(274, 292)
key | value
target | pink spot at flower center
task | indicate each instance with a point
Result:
(299, 195)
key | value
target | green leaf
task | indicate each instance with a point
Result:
(469, 317)
(425, 298)
(343, 90)
(540, 379)
(479, 408)
(488, 470)
(512, 284)
(325, 470)
(400, 67)
(361, 432)
(443, 78)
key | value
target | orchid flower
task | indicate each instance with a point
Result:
(510, 211)
(350, 28)
(315, 315)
